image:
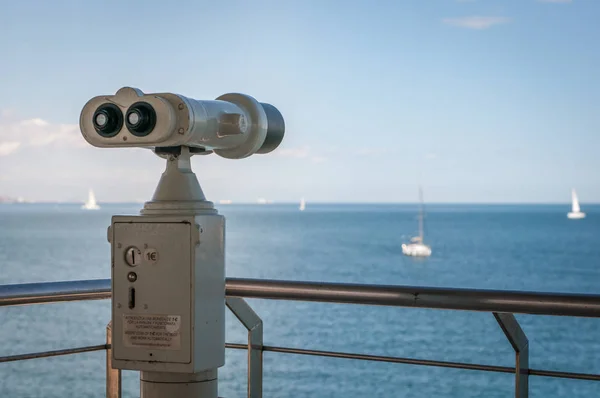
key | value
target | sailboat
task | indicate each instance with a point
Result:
(302, 204)
(416, 247)
(576, 212)
(91, 202)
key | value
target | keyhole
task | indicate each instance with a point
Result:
(133, 256)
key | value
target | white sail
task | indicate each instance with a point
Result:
(302, 204)
(576, 212)
(416, 247)
(574, 202)
(91, 202)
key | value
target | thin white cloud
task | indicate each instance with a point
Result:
(297, 153)
(318, 159)
(555, 1)
(6, 148)
(430, 156)
(475, 22)
(300, 153)
(16, 134)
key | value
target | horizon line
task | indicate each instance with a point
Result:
(312, 203)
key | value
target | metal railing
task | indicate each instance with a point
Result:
(502, 304)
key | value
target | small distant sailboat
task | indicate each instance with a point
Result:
(576, 212)
(302, 204)
(91, 202)
(416, 247)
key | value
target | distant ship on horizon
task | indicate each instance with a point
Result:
(263, 201)
(91, 202)
(302, 204)
(9, 200)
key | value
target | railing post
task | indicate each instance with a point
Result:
(113, 376)
(520, 343)
(254, 325)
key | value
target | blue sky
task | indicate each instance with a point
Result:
(478, 101)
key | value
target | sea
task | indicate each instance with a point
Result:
(516, 247)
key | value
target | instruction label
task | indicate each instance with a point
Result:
(152, 331)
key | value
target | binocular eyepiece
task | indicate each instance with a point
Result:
(108, 120)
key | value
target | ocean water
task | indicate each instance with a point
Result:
(498, 247)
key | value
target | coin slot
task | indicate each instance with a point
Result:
(131, 298)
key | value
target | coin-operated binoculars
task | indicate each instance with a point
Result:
(168, 263)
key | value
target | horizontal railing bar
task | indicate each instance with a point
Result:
(564, 375)
(55, 353)
(422, 362)
(54, 292)
(379, 358)
(236, 346)
(333, 354)
(566, 304)
(583, 305)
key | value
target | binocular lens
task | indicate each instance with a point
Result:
(275, 129)
(108, 120)
(140, 119)
(101, 120)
